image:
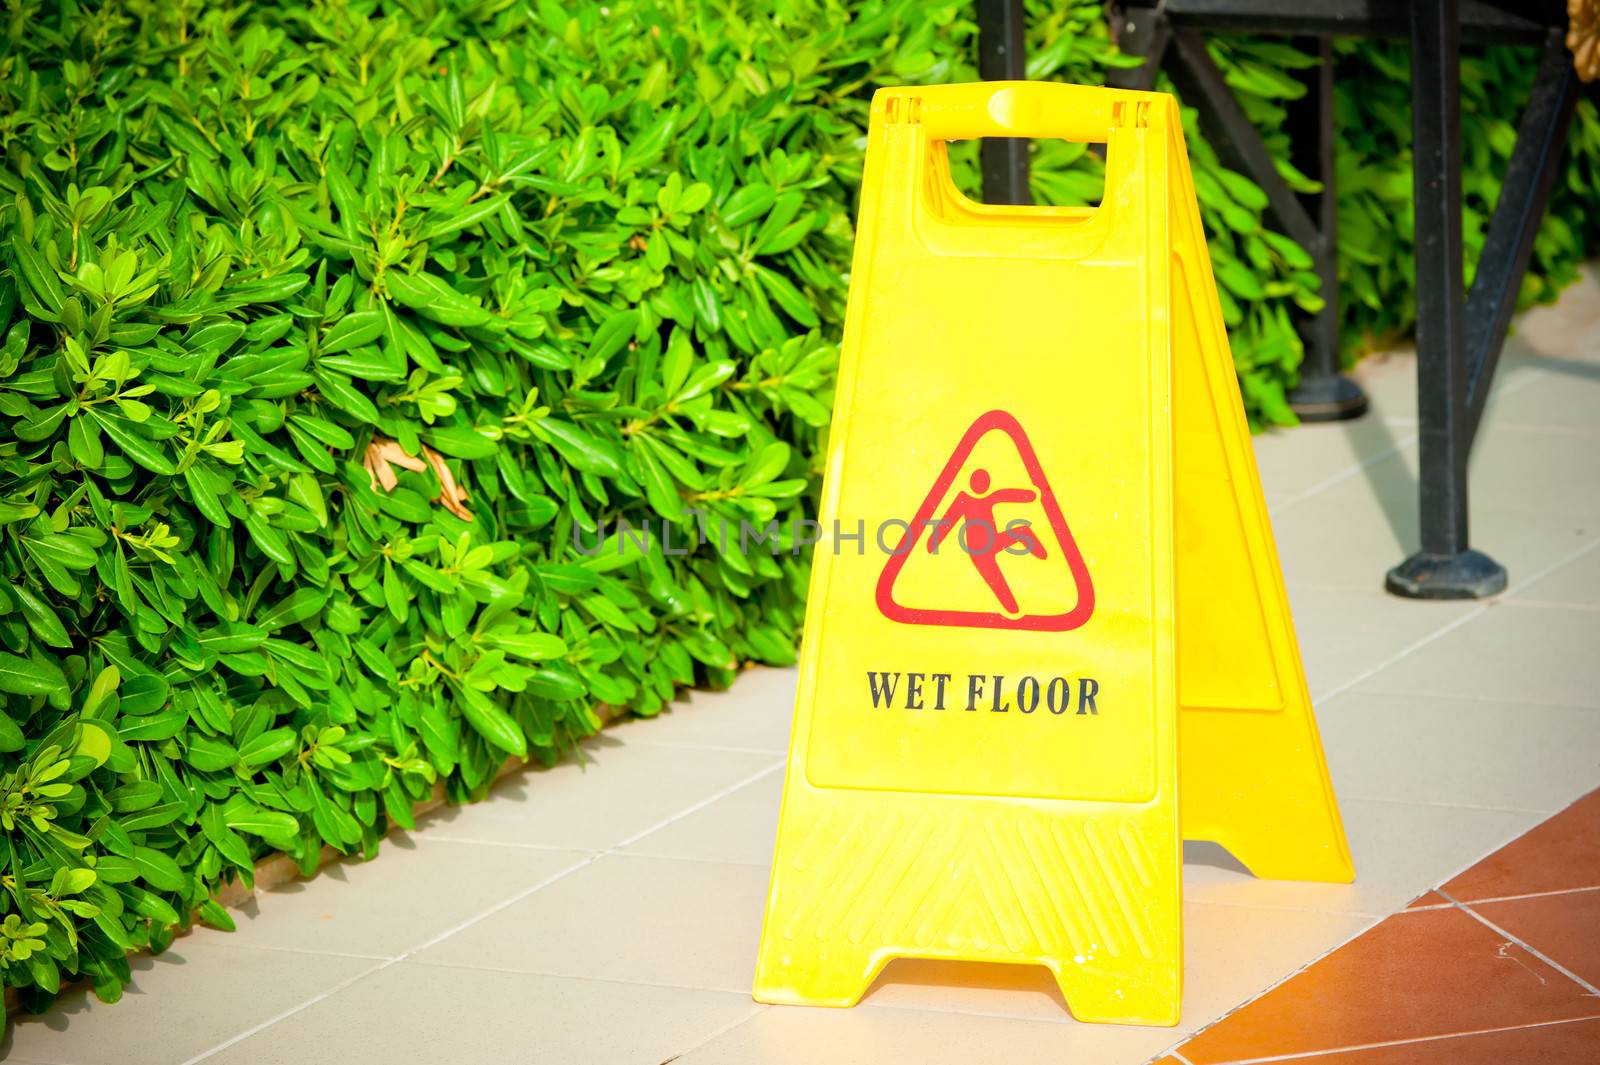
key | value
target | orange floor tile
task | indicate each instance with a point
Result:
(1559, 1043)
(1561, 854)
(1452, 979)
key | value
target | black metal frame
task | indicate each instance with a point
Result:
(1459, 333)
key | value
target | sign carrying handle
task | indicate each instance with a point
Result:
(1033, 109)
(917, 122)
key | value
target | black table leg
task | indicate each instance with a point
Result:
(1324, 393)
(1446, 567)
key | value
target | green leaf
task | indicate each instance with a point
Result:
(580, 447)
(531, 645)
(459, 441)
(491, 722)
(147, 453)
(267, 747)
(433, 298)
(158, 869)
(269, 824)
(31, 676)
(352, 331)
(42, 618)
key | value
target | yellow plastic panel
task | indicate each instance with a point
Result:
(994, 362)
(1251, 771)
(1042, 535)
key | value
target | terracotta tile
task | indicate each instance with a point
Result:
(1559, 855)
(1431, 899)
(1563, 1043)
(1167, 1060)
(1564, 927)
(1418, 974)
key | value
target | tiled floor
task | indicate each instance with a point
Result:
(1499, 964)
(609, 912)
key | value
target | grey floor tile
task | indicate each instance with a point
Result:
(198, 994)
(1567, 327)
(621, 790)
(1563, 397)
(1538, 472)
(796, 1035)
(1350, 535)
(754, 713)
(622, 917)
(1345, 633)
(416, 888)
(1576, 583)
(1400, 850)
(412, 1013)
(1233, 953)
(742, 826)
(1295, 462)
(1472, 752)
(1509, 653)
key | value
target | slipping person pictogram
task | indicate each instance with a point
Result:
(975, 511)
(970, 514)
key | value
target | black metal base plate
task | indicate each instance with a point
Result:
(1468, 575)
(1328, 399)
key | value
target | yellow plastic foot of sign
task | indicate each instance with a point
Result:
(839, 978)
(1078, 641)
(867, 876)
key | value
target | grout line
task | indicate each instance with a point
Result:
(718, 1033)
(496, 908)
(1538, 811)
(1345, 474)
(701, 805)
(1517, 898)
(1064, 1018)
(311, 951)
(1285, 978)
(290, 1012)
(1541, 955)
(1301, 1055)
(1521, 702)
(1400, 655)
(685, 745)
(695, 858)
(1518, 586)
(1492, 700)
(1505, 387)
(1471, 615)
(1577, 431)
(1174, 1053)
(1190, 898)
(501, 905)
(1473, 863)
(1553, 604)
(474, 841)
(556, 974)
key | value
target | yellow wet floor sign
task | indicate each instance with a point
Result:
(1047, 625)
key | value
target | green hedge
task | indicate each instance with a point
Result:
(591, 258)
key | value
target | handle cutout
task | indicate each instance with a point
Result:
(1061, 173)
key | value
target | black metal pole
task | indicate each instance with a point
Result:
(1446, 567)
(1524, 194)
(1003, 56)
(1324, 393)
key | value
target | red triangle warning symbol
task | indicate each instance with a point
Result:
(969, 527)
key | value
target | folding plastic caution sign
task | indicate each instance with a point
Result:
(1047, 626)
